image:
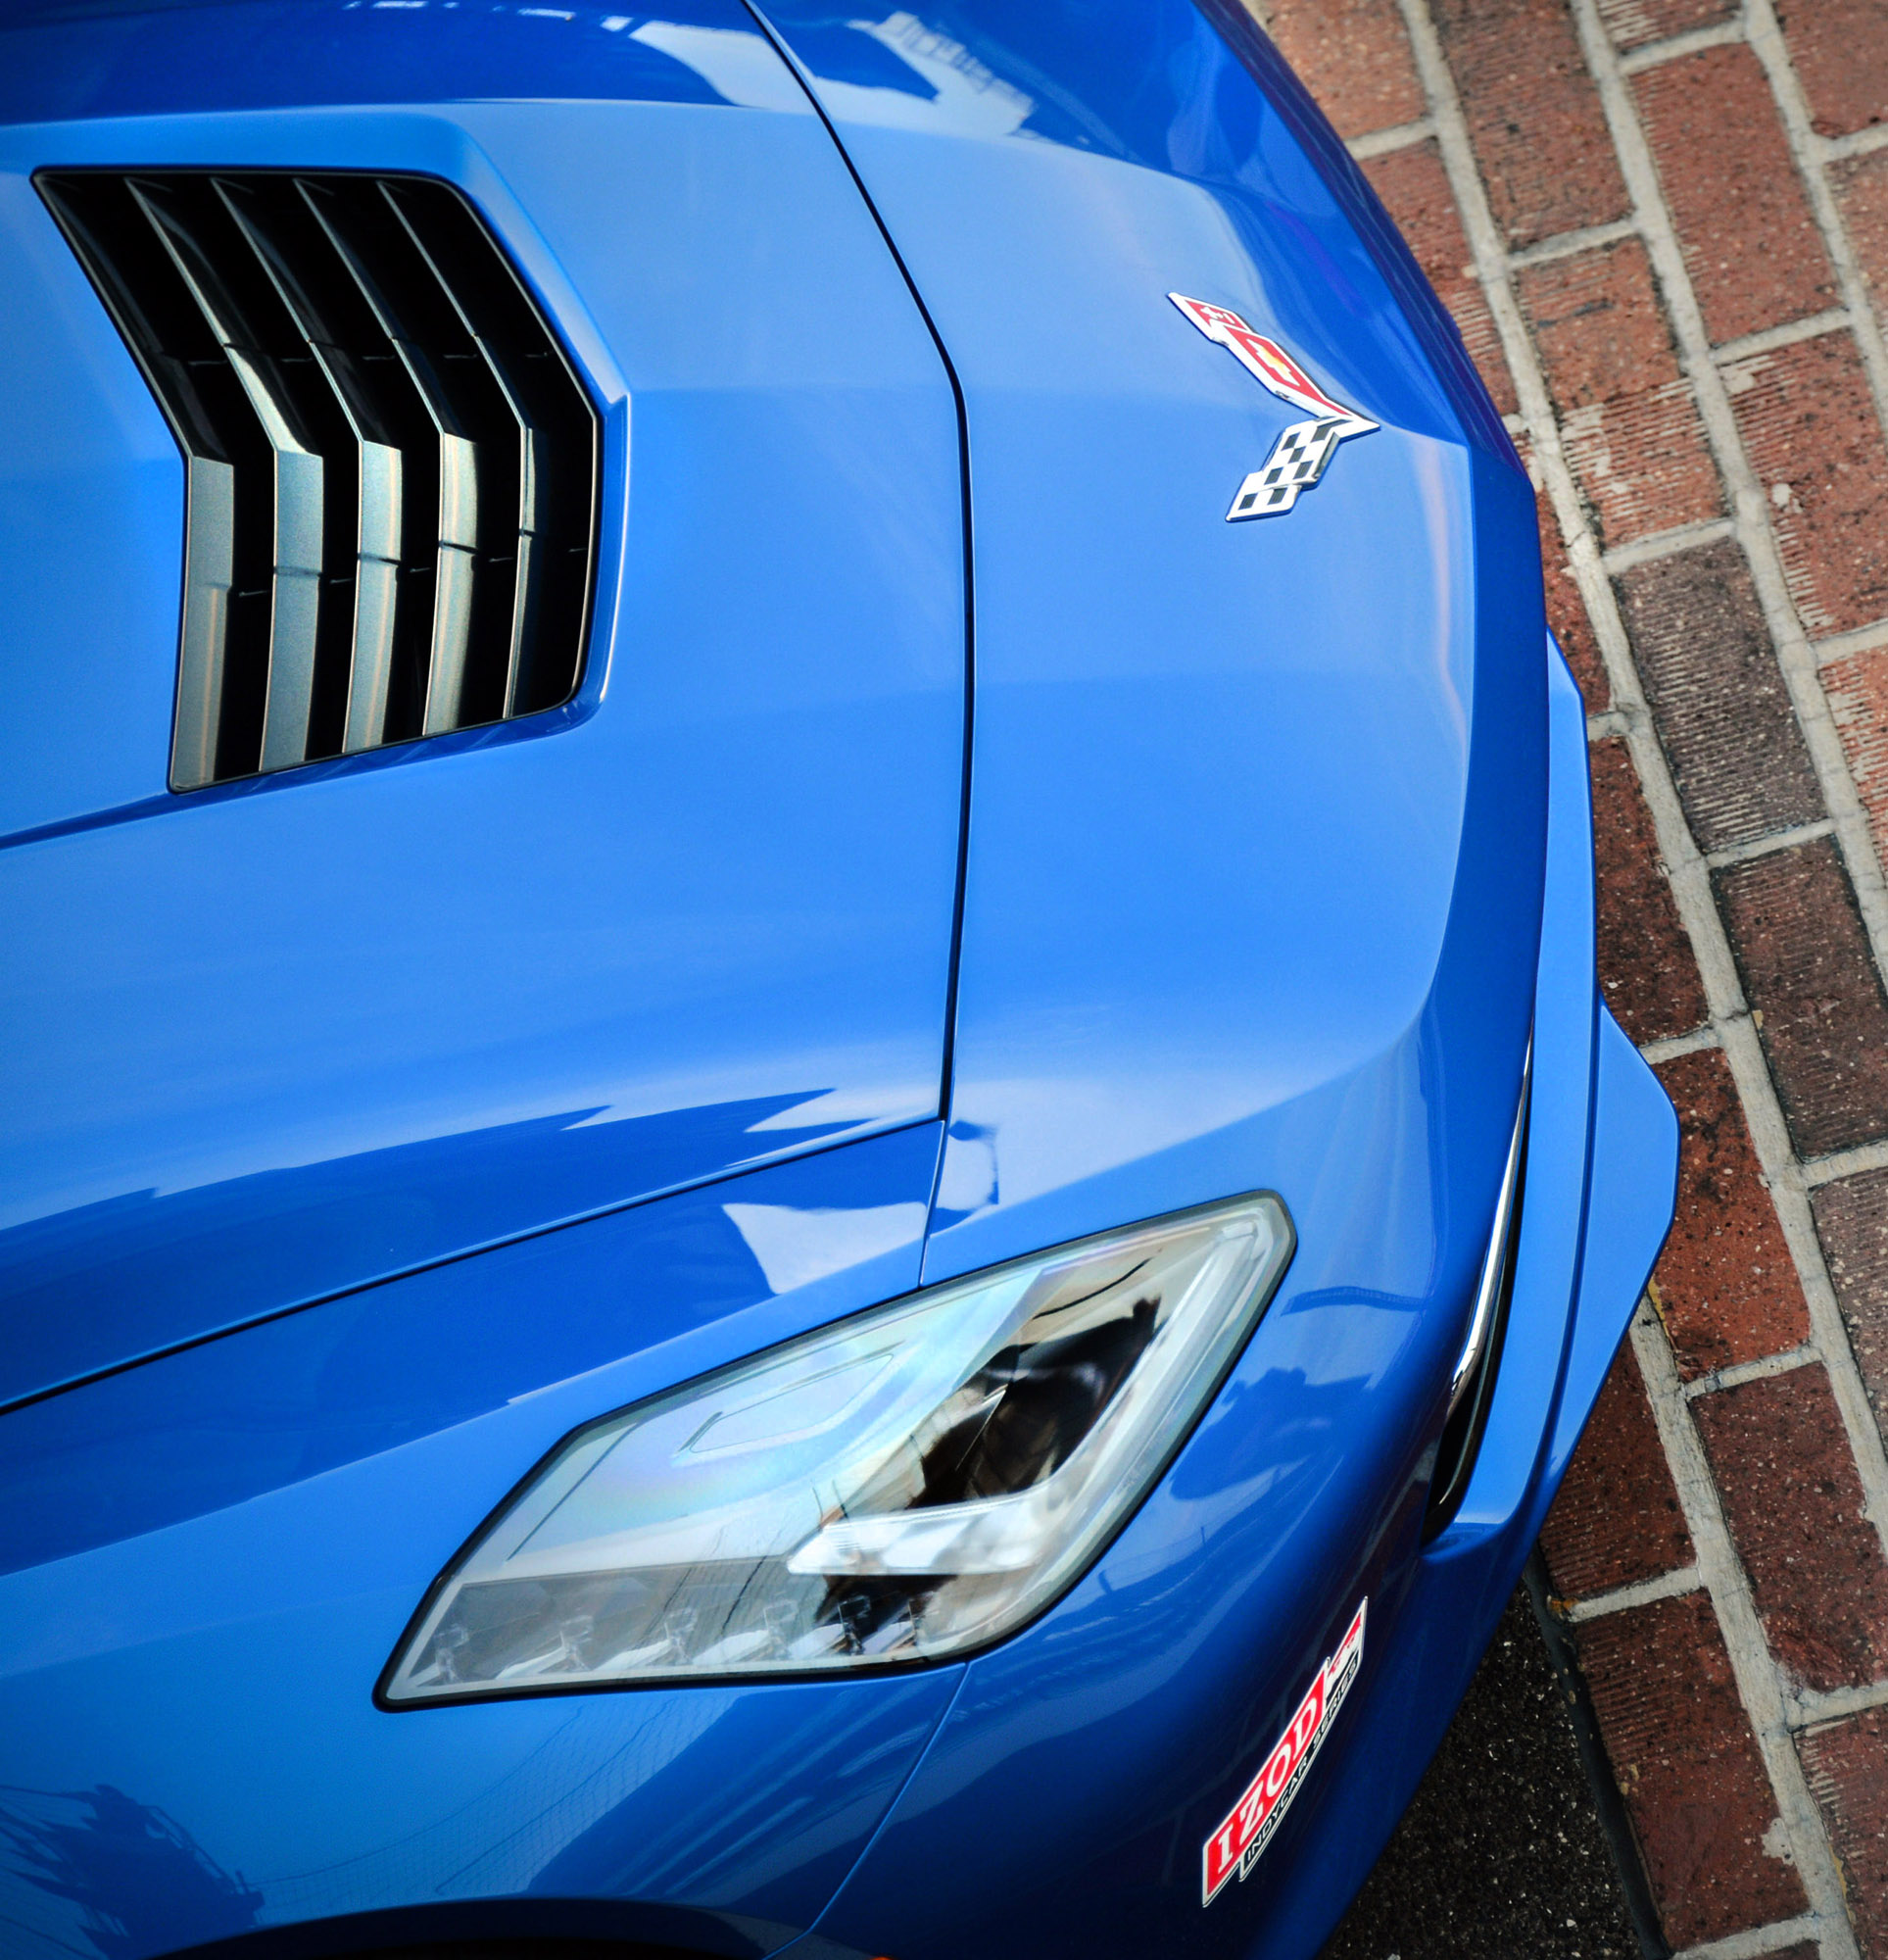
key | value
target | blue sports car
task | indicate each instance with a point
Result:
(809, 1150)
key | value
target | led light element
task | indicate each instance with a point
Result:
(902, 1487)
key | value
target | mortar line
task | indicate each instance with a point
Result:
(1749, 501)
(1761, 1939)
(1685, 868)
(1398, 136)
(1675, 1046)
(1763, 1109)
(1655, 54)
(1789, 1196)
(1811, 1706)
(1734, 1374)
(1622, 1598)
(1749, 1065)
(1838, 1165)
(1564, 244)
(1770, 844)
(1758, 1682)
(1667, 543)
(1605, 725)
(1858, 143)
(1676, 846)
(1812, 327)
(1841, 646)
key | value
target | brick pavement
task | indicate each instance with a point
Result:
(1662, 228)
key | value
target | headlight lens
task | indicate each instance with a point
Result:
(905, 1486)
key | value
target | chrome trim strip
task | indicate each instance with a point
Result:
(458, 520)
(530, 439)
(375, 602)
(296, 583)
(1494, 1259)
(208, 574)
(377, 474)
(376, 573)
(523, 590)
(451, 636)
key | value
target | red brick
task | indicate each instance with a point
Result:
(1354, 56)
(1633, 22)
(1793, 1499)
(1852, 1221)
(1726, 1286)
(1617, 1519)
(1847, 1765)
(1717, 696)
(1629, 422)
(1809, 426)
(1566, 608)
(1750, 244)
(1414, 189)
(1861, 190)
(1534, 116)
(1646, 969)
(1803, 955)
(1642, 464)
(1599, 326)
(1840, 49)
(1689, 1769)
(1857, 694)
(1566, 615)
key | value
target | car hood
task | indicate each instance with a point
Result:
(1250, 885)
(1259, 806)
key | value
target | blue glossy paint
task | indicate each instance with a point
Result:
(269, 1043)
(1278, 846)
(79, 432)
(685, 1286)
(92, 61)
(208, 1559)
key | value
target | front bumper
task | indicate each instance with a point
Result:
(192, 1756)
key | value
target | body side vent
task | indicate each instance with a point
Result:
(392, 465)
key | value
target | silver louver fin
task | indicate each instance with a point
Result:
(390, 463)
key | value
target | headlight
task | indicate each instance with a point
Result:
(905, 1486)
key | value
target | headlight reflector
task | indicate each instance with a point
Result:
(905, 1486)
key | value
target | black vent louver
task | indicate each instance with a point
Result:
(392, 465)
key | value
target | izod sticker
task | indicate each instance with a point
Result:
(1237, 1846)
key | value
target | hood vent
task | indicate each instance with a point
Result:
(392, 463)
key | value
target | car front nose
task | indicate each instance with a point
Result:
(1068, 1797)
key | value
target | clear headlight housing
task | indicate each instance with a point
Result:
(910, 1483)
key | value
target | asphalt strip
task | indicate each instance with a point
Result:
(1516, 1844)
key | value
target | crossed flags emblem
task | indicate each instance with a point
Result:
(1304, 450)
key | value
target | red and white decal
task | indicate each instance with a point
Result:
(1300, 456)
(1234, 1848)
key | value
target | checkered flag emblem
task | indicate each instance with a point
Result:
(1294, 465)
(1302, 453)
